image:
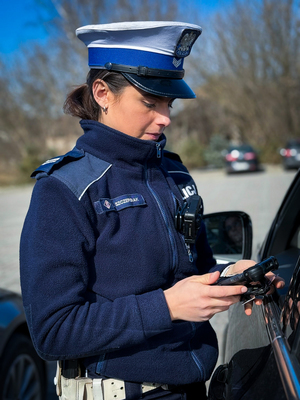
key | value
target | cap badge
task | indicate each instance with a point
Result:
(185, 43)
(176, 62)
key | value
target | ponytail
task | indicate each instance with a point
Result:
(80, 102)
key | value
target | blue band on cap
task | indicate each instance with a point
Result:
(99, 56)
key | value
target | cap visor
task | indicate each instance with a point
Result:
(174, 88)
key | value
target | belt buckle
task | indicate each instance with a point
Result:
(146, 386)
(113, 389)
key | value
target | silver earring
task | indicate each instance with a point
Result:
(104, 109)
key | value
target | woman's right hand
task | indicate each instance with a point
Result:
(195, 299)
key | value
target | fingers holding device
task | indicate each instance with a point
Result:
(253, 278)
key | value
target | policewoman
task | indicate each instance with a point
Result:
(110, 288)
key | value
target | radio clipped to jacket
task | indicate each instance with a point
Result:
(188, 218)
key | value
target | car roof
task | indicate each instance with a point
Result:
(243, 147)
(293, 142)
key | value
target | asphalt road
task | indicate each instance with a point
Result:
(259, 194)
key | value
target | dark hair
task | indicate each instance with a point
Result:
(80, 102)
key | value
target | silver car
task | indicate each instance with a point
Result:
(291, 154)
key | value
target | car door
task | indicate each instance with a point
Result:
(283, 239)
(262, 352)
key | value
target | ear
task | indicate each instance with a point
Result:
(100, 93)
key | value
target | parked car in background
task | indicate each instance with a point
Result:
(261, 355)
(23, 374)
(291, 154)
(241, 158)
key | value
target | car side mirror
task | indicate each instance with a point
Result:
(229, 235)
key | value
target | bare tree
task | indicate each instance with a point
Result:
(245, 64)
(43, 74)
(255, 74)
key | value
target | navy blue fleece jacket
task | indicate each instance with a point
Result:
(98, 248)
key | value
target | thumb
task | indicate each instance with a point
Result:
(209, 279)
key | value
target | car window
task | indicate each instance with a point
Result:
(291, 312)
(295, 242)
(284, 232)
(293, 143)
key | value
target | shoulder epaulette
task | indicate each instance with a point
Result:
(77, 176)
(172, 156)
(54, 163)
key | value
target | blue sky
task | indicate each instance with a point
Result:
(19, 22)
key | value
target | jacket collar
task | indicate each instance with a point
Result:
(116, 147)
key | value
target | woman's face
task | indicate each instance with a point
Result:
(137, 113)
(234, 229)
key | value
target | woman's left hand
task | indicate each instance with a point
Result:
(240, 266)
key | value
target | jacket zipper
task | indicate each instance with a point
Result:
(163, 213)
(158, 150)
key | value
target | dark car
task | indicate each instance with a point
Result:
(261, 355)
(23, 374)
(241, 158)
(291, 154)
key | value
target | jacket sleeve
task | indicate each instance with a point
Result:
(65, 318)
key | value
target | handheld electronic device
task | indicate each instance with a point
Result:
(253, 277)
